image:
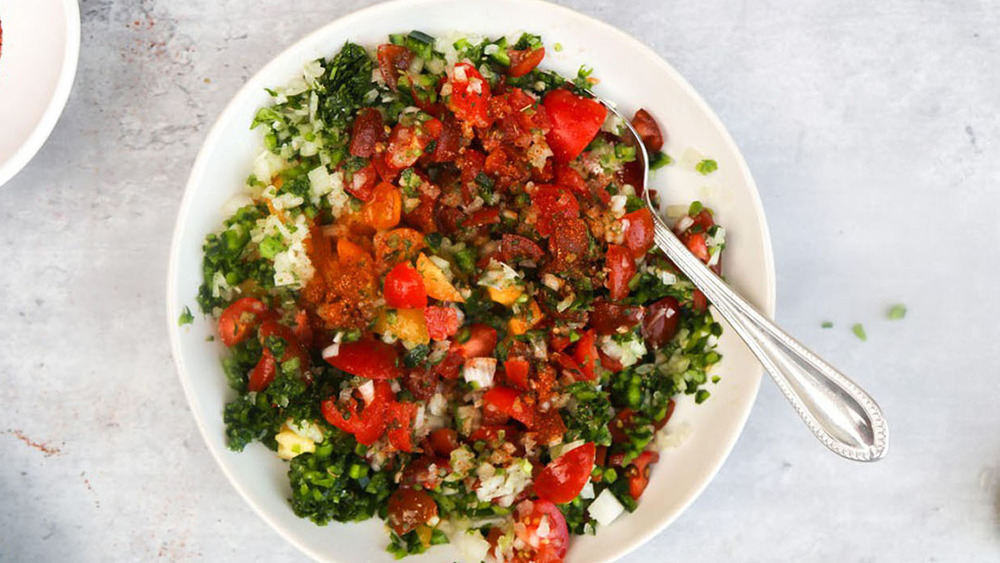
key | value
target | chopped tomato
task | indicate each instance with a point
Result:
(451, 366)
(585, 354)
(240, 319)
(695, 242)
(481, 343)
(548, 426)
(698, 301)
(549, 542)
(397, 245)
(516, 247)
(409, 508)
(449, 143)
(524, 61)
(509, 402)
(293, 347)
(638, 473)
(564, 477)
(365, 419)
(470, 95)
(553, 202)
(483, 217)
(404, 288)
(703, 219)
(660, 322)
(386, 172)
(363, 182)
(558, 343)
(368, 129)
(400, 418)
(443, 441)
(610, 318)
(620, 424)
(263, 373)
(648, 130)
(348, 253)
(639, 233)
(442, 322)
(384, 209)
(575, 122)
(570, 179)
(621, 268)
(425, 471)
(493, 432)
(367, 358)
(407, 143)
(569, 244)
(393, 61)
(517, 371)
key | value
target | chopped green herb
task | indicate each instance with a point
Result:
(659, 159)
(859, 331)
(896, 312)
(186, 317)
(558, 47)
(827, 324)
(706, 167)
(701, 396)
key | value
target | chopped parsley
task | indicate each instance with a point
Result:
(826, 324)
(896, 312)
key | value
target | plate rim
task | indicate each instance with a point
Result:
(173, 305)
(57, 103)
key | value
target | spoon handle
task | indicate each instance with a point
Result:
(845, 418)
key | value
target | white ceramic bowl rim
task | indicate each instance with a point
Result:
(175, 301)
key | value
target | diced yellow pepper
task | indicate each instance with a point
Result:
(505, 297)
(435, 282)
(407, 325)
(521, 325)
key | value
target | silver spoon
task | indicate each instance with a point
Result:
(841, 415)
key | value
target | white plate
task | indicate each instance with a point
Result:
(41, 45)
(630, 74)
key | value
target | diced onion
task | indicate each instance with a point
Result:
(605, 508)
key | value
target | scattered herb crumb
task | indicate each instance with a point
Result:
(701, 396)
(186, 317)
(558, 47)
(659, 159)
(859, 331)
(896, 312)
(716, 379)
(827, 324)
(706, 167)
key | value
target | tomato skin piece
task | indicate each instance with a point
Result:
(404, 288)
(698, 301)
(407, 143)
(293, 347)
(449, 142)
(585, 354)
(368, 424)
(570, 179)
(470, 97)
(263, 373)
(367, 358)
(660, 322)
(621, 268)
(575, 122)
(639, 234)
(491, 433)
(451, 366)
(392, 61)
(442, 322)
(666, 417)
(483, 217)
(524, 61)
(569, 243)
(517, 371)
(556, 543)
(409, 508)
(638, 473)
(368, 129)
(240, 318)
(564, 477)
(648, 130)
(481, 343)
(619, 424)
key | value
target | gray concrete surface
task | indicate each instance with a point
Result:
(871, 128)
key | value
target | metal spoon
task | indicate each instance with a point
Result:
(841, 415)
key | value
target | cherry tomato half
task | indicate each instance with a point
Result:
(550, 542)
(564, 477)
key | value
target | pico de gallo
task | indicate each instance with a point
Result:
(441, 300)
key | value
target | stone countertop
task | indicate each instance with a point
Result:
(871, 128)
